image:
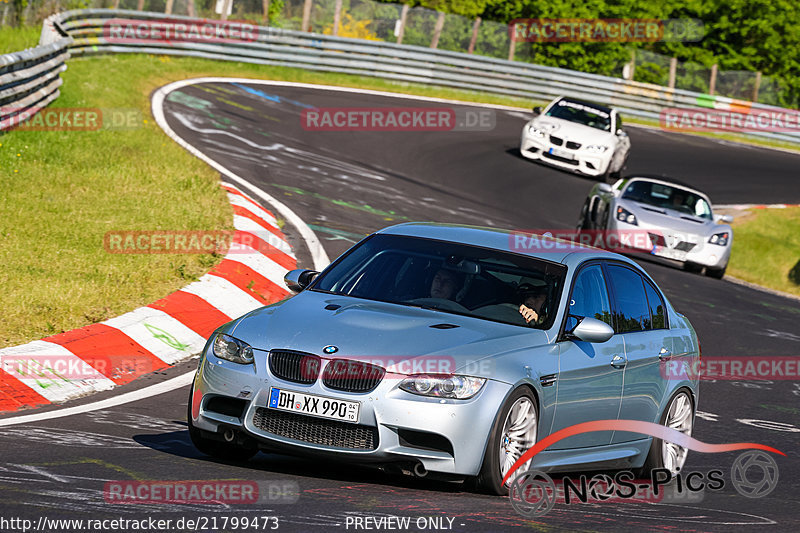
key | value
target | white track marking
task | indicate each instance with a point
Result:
(319, 257)
(160, 338)
(261, 263)
(244, 203)
(133, 396)
(251, 226)
(70, 376)
(223, 295)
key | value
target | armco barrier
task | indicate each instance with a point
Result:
(274, 46)
(86, 32)
(29, 80)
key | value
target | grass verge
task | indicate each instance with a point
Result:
(62, 191)
(19, 38)
(766, 249)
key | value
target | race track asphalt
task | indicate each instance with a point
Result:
(347, 184)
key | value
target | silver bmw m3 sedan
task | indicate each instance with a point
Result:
(452, 350)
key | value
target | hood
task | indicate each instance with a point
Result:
(678, 221)
(573, 131)
(396, 337)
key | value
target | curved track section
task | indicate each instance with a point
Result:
(349, 183)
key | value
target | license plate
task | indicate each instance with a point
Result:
(311, 404)
(669, 253)
(561, 153)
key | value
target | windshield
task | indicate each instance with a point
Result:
(449, 277)
(667, 197)
(581, 113)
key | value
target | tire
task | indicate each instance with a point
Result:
(583, 223)
(656, 455)
(215, 448)
(716, 273)
(490, 478)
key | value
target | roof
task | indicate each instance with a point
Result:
(588, 103)
(519, 241)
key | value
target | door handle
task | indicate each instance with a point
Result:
(618, 361)
(664, 354)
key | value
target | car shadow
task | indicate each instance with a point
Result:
(178, 443)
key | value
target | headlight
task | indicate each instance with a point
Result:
(458, 387)
(536, 132)
(719, 238)
(624, 215)
(596, 148)
(230, 349)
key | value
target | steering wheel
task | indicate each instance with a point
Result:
(439, 303)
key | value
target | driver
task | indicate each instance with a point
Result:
(533, 299)
(445, 284)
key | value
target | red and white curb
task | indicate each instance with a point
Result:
(101, 356)
(756, 206)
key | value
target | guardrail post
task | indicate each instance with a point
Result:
(673, 68)
(474, 39)
(167, 8)
(191, 8)
(437, 30)
(140, 5)
(402, 28)
(116, 4)
(306, 16)
(265, 5)
(226, 6)
(757, 85)
(512, 47)
(337, 17)
(712, 83)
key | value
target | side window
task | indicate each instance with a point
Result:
(657, 309)
(633, 313)
(589, 297)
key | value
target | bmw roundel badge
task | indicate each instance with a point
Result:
(330, 349)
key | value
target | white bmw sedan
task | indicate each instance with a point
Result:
(579, 136)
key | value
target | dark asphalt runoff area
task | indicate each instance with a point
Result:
(347, 184)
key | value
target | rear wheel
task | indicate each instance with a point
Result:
(679, 415)
(513, 433)
(216, 448)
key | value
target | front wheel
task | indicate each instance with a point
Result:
(679, 415)
(716, 273)
(513, 433)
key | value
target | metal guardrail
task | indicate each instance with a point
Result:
(91, 33)
(30, 80)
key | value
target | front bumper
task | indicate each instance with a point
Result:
(701, 253)
(581, 161)
(391, 413)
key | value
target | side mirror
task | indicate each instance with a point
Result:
(537, 111)
(724, 219)
(592, 330)
(604, 187)
(621, 133)
(298, 279)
